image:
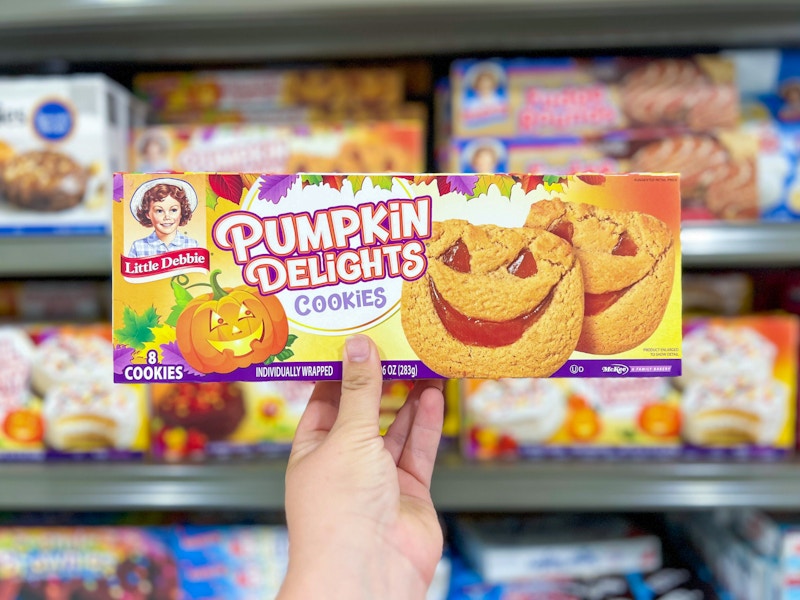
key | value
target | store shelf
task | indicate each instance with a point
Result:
(704, 245)
(55, 256)
(458, 486)
(251, 30)
(741, 245)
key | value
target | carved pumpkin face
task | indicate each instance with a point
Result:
(220, 335)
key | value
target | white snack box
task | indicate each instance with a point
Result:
(84, 122)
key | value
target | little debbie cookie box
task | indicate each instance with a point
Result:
(247, 277)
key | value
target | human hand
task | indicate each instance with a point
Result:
(358, 506)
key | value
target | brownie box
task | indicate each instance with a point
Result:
(248, 277)
(61, 138)
(720, 171)
(555, 97)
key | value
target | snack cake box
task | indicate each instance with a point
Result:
(720, 171)
(257, 277)
(554, 97)
(61, 138)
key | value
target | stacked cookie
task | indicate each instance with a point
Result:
(517, 302)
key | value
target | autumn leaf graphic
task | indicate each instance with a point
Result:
(227, 186)
(275, 187)
(504, 185)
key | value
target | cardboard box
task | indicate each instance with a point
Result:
(559, 418)
(61, 138)
(393, 146)
(195, 421)
(555, 97)
(21, 432)
(512, 548)
(739, 385)
(451, 275)
(771, 79)
(720, 176)
(84, 415)
(325, 88)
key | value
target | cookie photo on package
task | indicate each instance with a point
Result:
(247, 277)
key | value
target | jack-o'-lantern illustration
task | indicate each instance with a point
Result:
(628, 265)
(227, 329)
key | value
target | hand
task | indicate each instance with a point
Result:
(358, 505)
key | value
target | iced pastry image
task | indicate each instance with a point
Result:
(86, 416)
(531, 411)
(733, 411)
(66, 357)
(16, 360)
(725, 352)
(628, 264)
(494, 302)
(678, 91)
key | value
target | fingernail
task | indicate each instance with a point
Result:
(357, 347)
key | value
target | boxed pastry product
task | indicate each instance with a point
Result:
(778, 167)
(194, 421)
(771, 79)
(198, 421)
(719, 171)
(83, 414)
(534, 418)
(554, 97)
(321, 87)
(20, 410)
(226, 277)
(61, 138)
(368, 146)
(517, 548)
(739, 385)
(101, 563)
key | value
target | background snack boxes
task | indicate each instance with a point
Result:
(257, 277)
(58, 399)
(357, 147)
(61, 138)
(535, 418)
(720, 171)
(323, 88)
(568, 96)
(739, 385)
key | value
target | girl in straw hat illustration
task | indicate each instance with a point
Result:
(163, 204)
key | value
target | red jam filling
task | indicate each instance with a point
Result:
(480, 332)
(524, 265)
(457, 257)
(564, 230)
(594, 304)
(625, 246)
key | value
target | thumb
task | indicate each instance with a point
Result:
(362, 384)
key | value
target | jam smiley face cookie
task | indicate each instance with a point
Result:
(628, 265)
(494, 302)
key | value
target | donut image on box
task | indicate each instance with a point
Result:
(494, 302)
(628, 265)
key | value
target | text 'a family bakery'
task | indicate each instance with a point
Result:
(344, 244)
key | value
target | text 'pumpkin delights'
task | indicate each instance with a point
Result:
(494, 302)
